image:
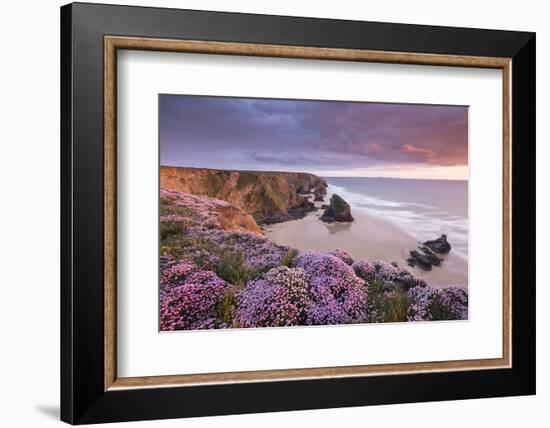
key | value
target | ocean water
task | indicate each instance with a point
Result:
(424, 209)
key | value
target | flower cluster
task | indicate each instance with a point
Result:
(280, 298)
(343, 255)
(198, 210)
(338, 296)
(197, 217)
(385, 272)
(189, 297)
(391, 275)
(433, 303)
(365, 270)
(175, 273)
(259, 252)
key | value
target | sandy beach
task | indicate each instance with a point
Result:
(368, 238)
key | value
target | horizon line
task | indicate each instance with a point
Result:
(315, 173)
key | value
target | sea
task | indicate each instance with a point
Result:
(424, 209)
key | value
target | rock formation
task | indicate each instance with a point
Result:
(439, 245)
(427, 256)
(319, 196)
(269, 197)
(424, 260)
(338, 210)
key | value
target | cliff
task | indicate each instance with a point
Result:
(210, 213)
(268, 196)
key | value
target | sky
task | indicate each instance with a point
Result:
(327, 138)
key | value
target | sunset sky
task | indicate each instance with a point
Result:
(327, 138)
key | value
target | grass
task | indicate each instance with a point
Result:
(390, 309)
(167, 209)
(232, 268)
(289, 257)
(225, 308)
(396, 308)
(170, 229)
(246, 179)
(279, 200)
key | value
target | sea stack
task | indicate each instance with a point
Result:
(439, 245)
(338, 210)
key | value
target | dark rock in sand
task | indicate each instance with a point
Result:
(424, 260)
(324, 206)
(419, 260)
(431, 256)
(439, 245)
(338, 210)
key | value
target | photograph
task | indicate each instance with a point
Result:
(279, 209)
(289, 212)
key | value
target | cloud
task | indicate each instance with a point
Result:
(418, 151)
(223, 132)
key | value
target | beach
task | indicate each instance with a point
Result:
(367, 237)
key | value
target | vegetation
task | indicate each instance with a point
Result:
(289, 257)
(232, 268)
(217, 278)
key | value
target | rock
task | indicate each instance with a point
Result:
(307, 183)
(324, 206)
(424, 260)
(318, 196)
(431, 256)
(294, 213)
(233, 218)
(338, 210)
(322, 189)
(439, 245)
(419, 260)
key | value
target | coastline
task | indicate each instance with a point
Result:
(283, 206)
(215, 272)
(367, 237)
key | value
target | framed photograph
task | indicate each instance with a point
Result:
(265, 213)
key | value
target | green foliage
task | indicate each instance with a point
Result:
(246, 179)
(279, 200)
(289, 256)
(441, 312)
(396, 308)
(216, 182)
(233, 269)
(226, 306)
(338, 203)
(169, 229)
(390, 307)
(169, 209)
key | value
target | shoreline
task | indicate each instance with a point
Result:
(367, 237)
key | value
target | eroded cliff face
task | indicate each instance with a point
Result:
(268, 196)
(234, 218)
(186, 208)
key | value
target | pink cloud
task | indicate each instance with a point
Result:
(418, 151)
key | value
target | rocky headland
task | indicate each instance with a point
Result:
(269, 197)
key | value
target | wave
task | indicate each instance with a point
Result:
(420, 221)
